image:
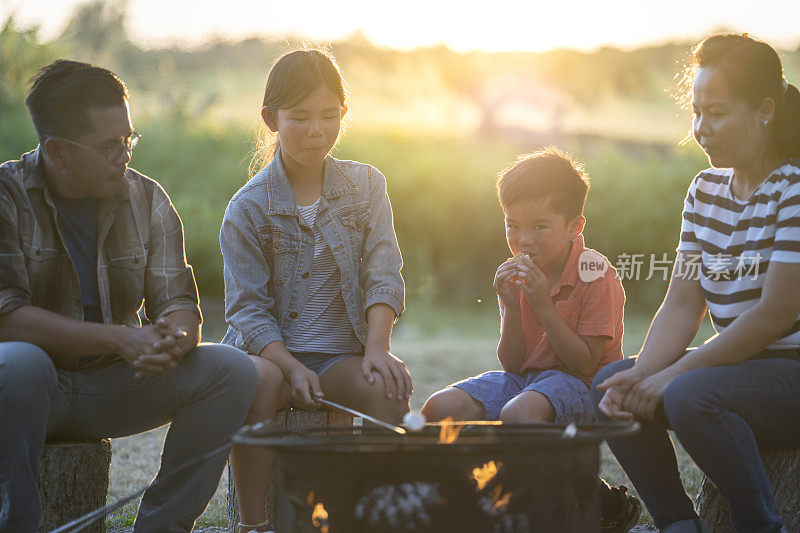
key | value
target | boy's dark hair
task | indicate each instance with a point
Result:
(63, 92)
(548, 174)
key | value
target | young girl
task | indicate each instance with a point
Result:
(312, 270)
(741, 223)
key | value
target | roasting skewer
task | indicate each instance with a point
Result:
(353, 412)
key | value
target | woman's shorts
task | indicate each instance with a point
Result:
(568, 395)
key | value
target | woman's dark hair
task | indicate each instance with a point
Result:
(754, 72)
(63, 92)
(291, 79)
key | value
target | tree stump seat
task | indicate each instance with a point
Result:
(783, 470)
(73, 481)
(285, 419)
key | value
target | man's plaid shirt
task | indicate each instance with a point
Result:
(140, 254)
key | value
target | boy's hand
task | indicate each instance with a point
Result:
(533, 284)
(505, 284)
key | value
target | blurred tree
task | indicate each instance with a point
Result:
(21, 55)
(97, 29)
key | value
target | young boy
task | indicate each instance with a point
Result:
(561, 308)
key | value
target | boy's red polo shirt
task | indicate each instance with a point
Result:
(591, 309)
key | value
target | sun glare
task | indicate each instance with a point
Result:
(510, 25)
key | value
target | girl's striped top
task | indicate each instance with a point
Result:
(324, 326)
(739, 239)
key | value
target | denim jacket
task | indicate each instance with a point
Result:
(269, 251)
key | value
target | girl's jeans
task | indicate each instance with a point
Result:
(720, 415)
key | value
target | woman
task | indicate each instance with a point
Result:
(741, 226)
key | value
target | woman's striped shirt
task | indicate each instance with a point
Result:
(740, 238)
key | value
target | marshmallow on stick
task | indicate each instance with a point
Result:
(520, 257)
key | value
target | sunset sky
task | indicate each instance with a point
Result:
(465, 25)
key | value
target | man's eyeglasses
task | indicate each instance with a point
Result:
(109, 154)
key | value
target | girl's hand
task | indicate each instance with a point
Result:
(617, 388)
(645, 396)
(533, 284)
(305, 388)
(393, 371)
(504, 285)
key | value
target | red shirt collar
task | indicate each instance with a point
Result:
(569, 276)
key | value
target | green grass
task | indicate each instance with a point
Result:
(439, 344)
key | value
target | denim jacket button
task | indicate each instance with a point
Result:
(293, 314)
(305, 275)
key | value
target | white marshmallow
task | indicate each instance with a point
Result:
(414, 421)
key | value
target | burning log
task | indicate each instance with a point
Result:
(406, 507)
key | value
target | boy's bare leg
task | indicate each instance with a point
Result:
(250, 465)
(344, 383)
(455, 403)
(528, 407)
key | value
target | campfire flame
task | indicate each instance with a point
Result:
(484, 474)
(493, 500)
(501, 502)
(449, 431)
(319, 518)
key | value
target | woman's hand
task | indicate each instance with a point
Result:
(304, 384)
(393, 371)
(645, 396)
(617, 389)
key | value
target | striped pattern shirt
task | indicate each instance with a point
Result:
(738, 239)
(324, 326)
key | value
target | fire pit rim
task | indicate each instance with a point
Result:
(474, 438)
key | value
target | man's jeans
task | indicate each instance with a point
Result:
(720, 415)
(205, 397)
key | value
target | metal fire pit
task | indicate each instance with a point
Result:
(493, 478)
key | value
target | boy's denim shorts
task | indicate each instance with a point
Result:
(321, 362)
(568, 394)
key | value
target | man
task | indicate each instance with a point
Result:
(84, 241)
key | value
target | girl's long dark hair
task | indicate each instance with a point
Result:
(291, 79)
